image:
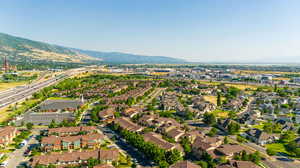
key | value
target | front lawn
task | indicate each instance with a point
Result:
(277, 147)
(259, 126)
(221, 113)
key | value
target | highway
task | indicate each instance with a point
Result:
(14, 95)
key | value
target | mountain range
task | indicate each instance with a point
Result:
(21, 49)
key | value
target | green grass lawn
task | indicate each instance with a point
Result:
(221, 113)
(278, 147)
(59, 98)
(259, 126)
(3, 158)
(7, 113)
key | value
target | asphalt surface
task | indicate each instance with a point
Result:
(275, 161)
(137, 157)
(17, 157)
(14, 95)
(17, 94)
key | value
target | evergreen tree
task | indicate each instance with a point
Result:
(219, 100)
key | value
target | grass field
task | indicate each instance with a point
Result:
(84, 74)
(8, 112)
(241, 86)
(59, 98)
(259, 126)
(4, 113)
(212, 99)
(263, 72)
(279, 79)
(9, 85)
(159, 73)
(209, 83)
(278, 147)
(221, 113)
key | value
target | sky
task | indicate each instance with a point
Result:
(194, 30)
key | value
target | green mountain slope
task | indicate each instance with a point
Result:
(21, 50)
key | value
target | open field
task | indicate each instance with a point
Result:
(221, 113)
(159, 73)
(278, 147)
(259, 126)
(59, 98)
(245, 72)
(242, 86)
(212, 99)
(4, 113)
(239, 86)
(7, 112)
(279, 79)
(84, 74)
(9, 85)
(209, 83)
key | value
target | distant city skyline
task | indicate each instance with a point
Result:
(201, 31)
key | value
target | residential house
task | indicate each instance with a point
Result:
(156, 121)
(90, 141)
(287, 125)
(159, 141)
(75, 158)
(233, 105)
(125, 123)
(261, 137)
(147, 120)
(132, 111)
(297, 119)
(7, 134)
(202, 106)
(243, 164)
(229, 150)
(248, 119)
(184, 164)
(67, 131)
(205, 144)
(192, 135)
(107, 114)
(223, 124)
(103, 166)
(175, 134)
(238, 164)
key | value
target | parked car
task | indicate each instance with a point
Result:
(3, 164)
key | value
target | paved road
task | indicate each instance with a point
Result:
(26, 91)
(19, 93)
(275, 161)
(17, 157)
(137, 157)
(247, 108)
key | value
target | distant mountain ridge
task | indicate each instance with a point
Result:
(126, 58)
(21, 49)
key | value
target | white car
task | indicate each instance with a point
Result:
(3, 164)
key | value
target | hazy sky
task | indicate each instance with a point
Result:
(196, 30)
